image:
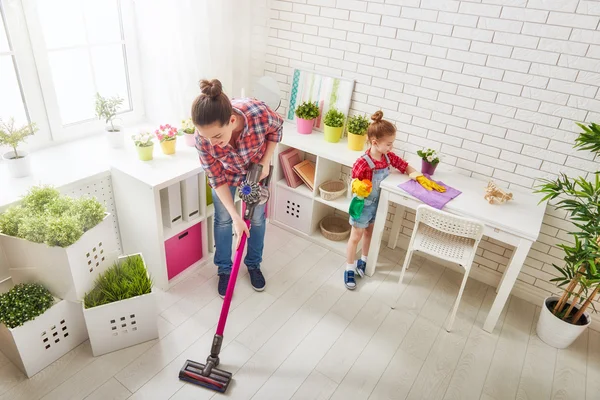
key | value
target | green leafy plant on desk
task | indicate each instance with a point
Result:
(579, 276)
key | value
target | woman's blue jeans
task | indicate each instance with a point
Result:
(223, 236)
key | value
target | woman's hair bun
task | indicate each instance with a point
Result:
(212, 88)
(378, 116)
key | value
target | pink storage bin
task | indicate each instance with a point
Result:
(183, 250)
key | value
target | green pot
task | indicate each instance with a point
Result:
(145, 153)
(333, 134)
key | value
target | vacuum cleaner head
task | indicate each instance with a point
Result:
(209, 377)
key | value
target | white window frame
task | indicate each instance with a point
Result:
(58, 132)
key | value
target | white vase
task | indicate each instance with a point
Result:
(18, 167)
(116, 139)
(556, 332)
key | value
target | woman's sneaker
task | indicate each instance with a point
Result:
(223, 282)
(257, 279)
(360, 268)
(349, 279)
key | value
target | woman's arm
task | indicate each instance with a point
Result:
(266, 160)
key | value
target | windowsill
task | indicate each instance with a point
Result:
(91, 157)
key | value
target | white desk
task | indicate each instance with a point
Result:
(517, 223)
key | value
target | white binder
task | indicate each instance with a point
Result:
(190, 198)
(170, 204)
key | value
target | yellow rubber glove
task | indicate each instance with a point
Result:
(427, 183)
(362, 188)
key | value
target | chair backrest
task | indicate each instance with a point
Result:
(449, 223)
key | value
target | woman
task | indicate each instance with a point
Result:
(231, 135)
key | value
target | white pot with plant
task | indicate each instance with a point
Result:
(58, 241)
(189, 130)
(564, 318)
(37, 329)
(106, 110)
(120, 311)
(18, 161)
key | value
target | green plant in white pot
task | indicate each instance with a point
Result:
(334, 124)
(18, 161)
(106, 110)
(564, 318)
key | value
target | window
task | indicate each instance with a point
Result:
(71, 50)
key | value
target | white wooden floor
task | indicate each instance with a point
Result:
(307, 337)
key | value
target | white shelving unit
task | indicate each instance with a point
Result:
(300, 210)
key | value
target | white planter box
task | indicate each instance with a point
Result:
(38, 343)
(67, 272)
(556, 332)
(121, 324)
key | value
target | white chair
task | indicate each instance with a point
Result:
(446, 236)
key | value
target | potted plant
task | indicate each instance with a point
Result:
(334, 121)
(120, 311)
(357, 132)
(429, 161)
(167, 135)
(188, 129)
(59, 241)
(306, 113)
(18, 161)
(144, 145)
(36, 329)
(564, 318)
(106, 110)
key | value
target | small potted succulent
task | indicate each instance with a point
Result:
(167, 135)
(429, 161)
(188, 129)
(18, 162)
(334, 123)
(106, 110)
(357, 132)
(306, 113)
(144, 145)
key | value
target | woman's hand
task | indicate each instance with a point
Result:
(240, 227)
(265, 171)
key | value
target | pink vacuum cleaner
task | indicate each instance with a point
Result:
(253, 193)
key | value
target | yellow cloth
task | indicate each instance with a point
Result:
(429, 184)
(362, 188)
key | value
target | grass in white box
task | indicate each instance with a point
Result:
(121, 309)
(60, 242)
(36, 329)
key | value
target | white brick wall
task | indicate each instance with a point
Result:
(496, 85)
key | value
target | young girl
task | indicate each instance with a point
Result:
(231, 135)
(374, 166)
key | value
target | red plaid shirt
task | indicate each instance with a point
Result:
(361, 169)
(228, 165)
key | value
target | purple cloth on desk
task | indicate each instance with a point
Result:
(432, 198)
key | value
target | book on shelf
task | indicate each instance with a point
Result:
(306, 172)
(288, 159)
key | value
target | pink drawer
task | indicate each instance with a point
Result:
(183, 250)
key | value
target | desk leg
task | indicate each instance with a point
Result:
(380, 217)
(508, 281)
(396, 226)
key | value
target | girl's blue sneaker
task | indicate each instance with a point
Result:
(349, 280)
(360, 268)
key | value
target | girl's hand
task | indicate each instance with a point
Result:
(240, 227)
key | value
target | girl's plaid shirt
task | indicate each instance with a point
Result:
(228, 165)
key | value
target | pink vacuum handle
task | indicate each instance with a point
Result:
(234, 273)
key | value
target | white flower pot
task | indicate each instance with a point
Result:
(116, 140)
(18, 167)
(43, 340)
(556, 332)
(67, 272)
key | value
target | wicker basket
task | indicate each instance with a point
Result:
(331, 190)
(335, 228)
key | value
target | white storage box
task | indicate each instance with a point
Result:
(170, 205)
(38, 343)
(123, 323)
(190, 198)
(67, 272)
(293, 209)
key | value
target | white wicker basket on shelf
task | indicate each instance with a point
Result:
(331, 190)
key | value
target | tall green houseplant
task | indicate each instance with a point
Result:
(580, 275)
